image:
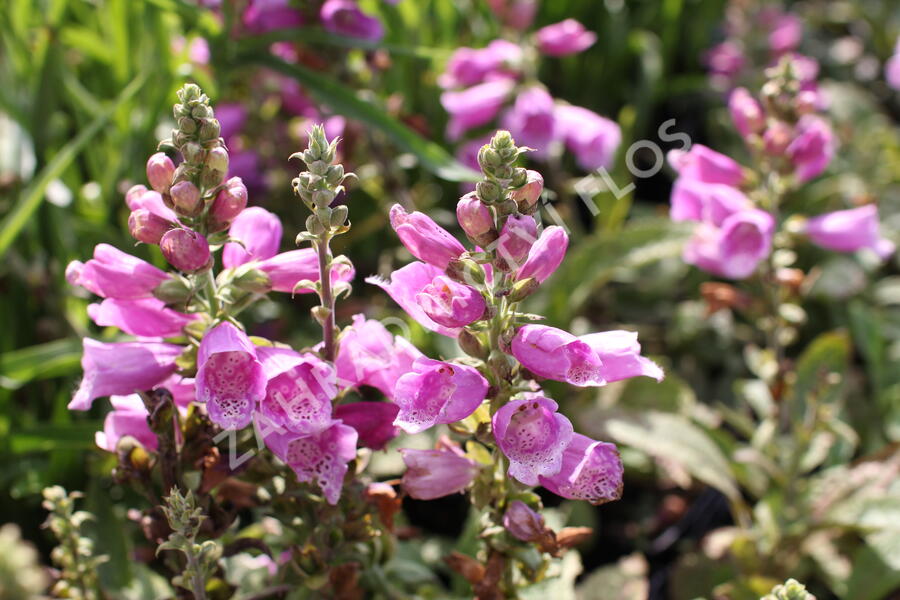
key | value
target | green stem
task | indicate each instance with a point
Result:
(326, 296)
(211, 293)
(198, 585)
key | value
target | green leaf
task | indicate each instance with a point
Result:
(33, 195)
(53, 359)
(674, 437)
(871, 578)
(344, 101)
(822, 367)
(74, 436)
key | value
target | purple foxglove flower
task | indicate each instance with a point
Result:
(185, 249)
(590, 471)
(849, 231)
(299, 391)
(892, 70)
(229, 202)
(785, 34)
(556, 354)
(705, 164)
(470, 66)
(545, 255)
(231, 117)
(532, 435)
(433, 474)
(591, 138)
(144, 317)
(746, 112)
(531, 120)
(230, 379)
(475, 217)
(373, 421)
(812, 148)
(437, 393)
(343, 17)
(186, 198)
(475, 106)
(128, 417)
(114, 274)
(451, 304)
(147, 227)
(523, 523)
(405, 286)
(620, 353)
(565, 37)
(262, 16)
(518, 235)
(160, 171)
(725, 60)
(139, 197)
(735, 249)
(527, 195)
(260, 233)
(285, 270)
(518, 14)
(425, 239)
(693, 200)
(122, 368)
(320, 458)
(369, 355)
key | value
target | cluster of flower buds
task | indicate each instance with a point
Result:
(75, 553)
(492, 83)
(735, 207)
(493, 395)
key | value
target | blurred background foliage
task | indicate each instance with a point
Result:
(85, 93)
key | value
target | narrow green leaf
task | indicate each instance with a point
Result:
(33, 195)
(345, 102)
(60, 357)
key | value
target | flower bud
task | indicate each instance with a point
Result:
(526, 197)
(746, 113)
(160, 170)
(449, 303)
(476, 219)
(471, 345)
(523, 523)
(516, 238)
(186, 199)
(339, 215)
(777, 138)
(806, 102)
(192, 152)
(209, 129)
(218, 159)
(174, 290)
(488, 191)
(252, 280)
(133, 194)
(185, 249)
(522, 289)
(465, 270)
(229, 202)
(147, 227)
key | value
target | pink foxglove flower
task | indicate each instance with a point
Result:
(122, 368)
(620, 353)
(694, 200)
(786, 33)
(230, 378)
(299, 391)
(369, 355)
(565, 37)
(373, 421)
(812, 147)
(590, 471)
(892, 68)
(425, 239)
(437, 392)
(470, 66)
(849, 231)
(139, 197)
(531, 120)
(450, 304)
(518, 235)
(475, 106)
(591, 138)
(433, 474)
(704, 164)
(736, 248)
(147, 227)
(545, 255)
(475, 218)
(160, 171)
(267, 15)
(556, 354)
(144, 317)
(344, 17)
(746, 112)
(114, 274)
(285, 270)
(320, 458)
(128, 417)
(405, 286)
(185, 249)
(518, 14)
(523, 523)
(229, 202)
(260, 233)
(725, 60)
(532, 435)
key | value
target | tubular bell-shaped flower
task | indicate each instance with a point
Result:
(146, 317)
(437, 392)
(425, 239)
(115, 274)
(128, 418)
(532, 435)
(590, 471)
(299, 391)
(373, 421)
(849, 230)
(432, 474)
(556, 354)
(620, 353)
(545, 255)
(259, 233)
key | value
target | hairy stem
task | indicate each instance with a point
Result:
(326, 296)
